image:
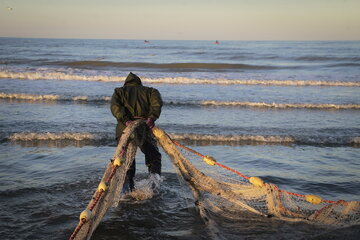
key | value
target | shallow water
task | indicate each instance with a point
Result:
(57, 132)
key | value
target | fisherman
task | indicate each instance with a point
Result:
(131, 102)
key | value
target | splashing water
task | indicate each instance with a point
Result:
(147, 188)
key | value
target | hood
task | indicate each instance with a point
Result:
(132, 80)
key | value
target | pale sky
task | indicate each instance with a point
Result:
(182, 19)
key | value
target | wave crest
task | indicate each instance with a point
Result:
(34, 97)
(281, 105)
(206, 139)
(51, 136)
(24, 96)
(269, 139)
(177, 80)
(233, 138)
(49, 97)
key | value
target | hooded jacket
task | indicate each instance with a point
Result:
(134, 100)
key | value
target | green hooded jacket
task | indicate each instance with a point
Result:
(134, 100)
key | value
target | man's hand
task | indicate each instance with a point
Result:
(150, 122)
(127, 123)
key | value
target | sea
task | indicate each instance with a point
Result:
(285, 111)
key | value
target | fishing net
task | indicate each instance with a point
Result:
(216, 188)
(110, 187)
(217, 191)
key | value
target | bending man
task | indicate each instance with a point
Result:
(135, 101)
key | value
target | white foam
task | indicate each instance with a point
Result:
(233, 138)
(49, 97)
(47, 75)
(280, 105)
(47, 136)
(57, 76)
(180, 80)
(51, 136)
(31, 97)
(147, 188)
(80, 98)
(107, 99)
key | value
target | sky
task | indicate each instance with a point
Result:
(182, 19)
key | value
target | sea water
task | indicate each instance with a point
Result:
(288, 112)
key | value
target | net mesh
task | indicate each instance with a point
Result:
(114, 178)
(217, 189)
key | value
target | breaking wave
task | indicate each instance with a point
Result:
(51, 136)
(189, 81)
(49, 97)
(205, 139)
(282, 105)
(31, 97)
(266, 139)
(233, 138)
(176, 80)
(185, 136)
(35, 97)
